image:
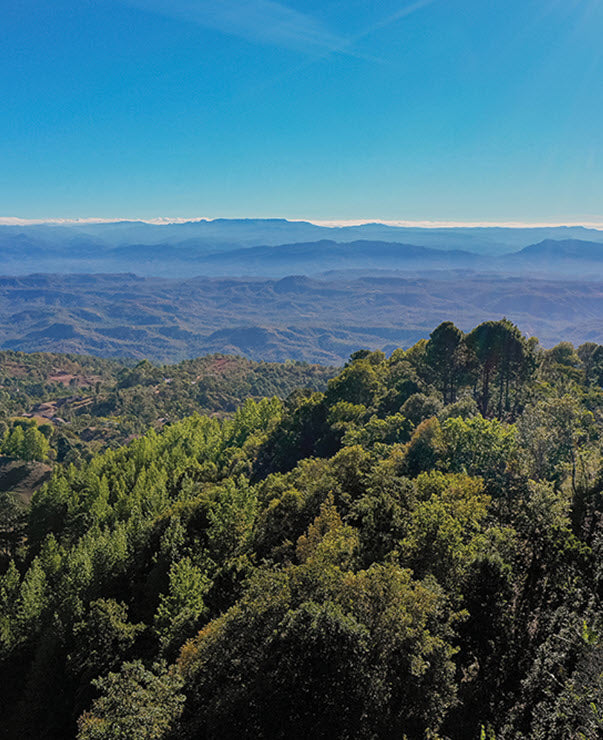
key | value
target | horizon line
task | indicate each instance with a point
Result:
(327, 223)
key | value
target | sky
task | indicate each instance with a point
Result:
(326, 110)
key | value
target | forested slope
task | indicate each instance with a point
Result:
(414, 552)
(85, 404)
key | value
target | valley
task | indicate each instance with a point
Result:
(300, 318)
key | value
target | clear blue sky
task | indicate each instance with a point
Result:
(321, 109)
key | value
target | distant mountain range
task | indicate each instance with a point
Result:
(547, 258)
(227, 234)
(252, 248)
(295, 317)
(273, 289)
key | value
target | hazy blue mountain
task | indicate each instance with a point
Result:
(228, 234)
(315, 299)
(74, 252)
(566, 249)
(563, 258)
(315, 257)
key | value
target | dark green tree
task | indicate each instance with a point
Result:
(135, 704)
(504, 362)
(445, 354)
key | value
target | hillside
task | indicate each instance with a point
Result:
(414, 552)
(90, 403)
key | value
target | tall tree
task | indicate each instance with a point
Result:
(446, 358)
(591, 357)
(504, 361)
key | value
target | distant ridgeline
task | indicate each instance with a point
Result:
(409, 548)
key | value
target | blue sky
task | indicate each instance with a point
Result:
(453, 110)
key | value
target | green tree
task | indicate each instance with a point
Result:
(592, 359)
(358, 383)
(35, 445)
(135, 704)
(101, 642)
(480, 447)
(318, 650)
(419, 407)
(443, 534)
(14, 442)
(504, 359)
(445, 355)
(180, 609)
(26, 443)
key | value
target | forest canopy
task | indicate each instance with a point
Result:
(413, 551)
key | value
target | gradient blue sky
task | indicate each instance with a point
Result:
(466, 110)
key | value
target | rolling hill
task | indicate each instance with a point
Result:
(294, 317)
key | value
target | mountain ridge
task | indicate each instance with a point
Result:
(22, 255)
(257, 232)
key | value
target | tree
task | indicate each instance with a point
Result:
(444, 526)
(591, 358)
(419, 407)
(503, 357)
(135, 704)
(480, 447)
(357, 383)
(180, 609)
(11, 524)
(101, 641)
(445, 356)
(26, 443)
(560, 366)
(317, 650)
(555, 436)
(13, 443)
(35, 445)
